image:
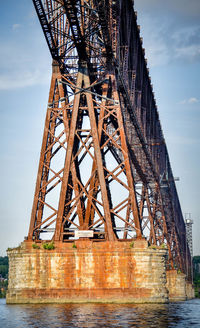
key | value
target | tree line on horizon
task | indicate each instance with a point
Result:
(3, 275)
(196, 278)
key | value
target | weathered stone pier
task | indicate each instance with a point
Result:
(86, 271)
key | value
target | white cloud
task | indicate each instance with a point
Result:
(23, 64)
(178, 7)
(168, 37)
(189, 52)
(23, 79)
(191, 100)
(16, 26)
(162, 48)
(185, 33)
(157, 52)
(155, 46)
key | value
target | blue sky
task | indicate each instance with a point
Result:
(171, 34)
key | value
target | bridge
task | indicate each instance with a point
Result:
(104, 175)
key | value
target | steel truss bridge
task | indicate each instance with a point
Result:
(104, 164)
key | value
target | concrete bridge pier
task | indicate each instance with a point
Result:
(176, 285)
(190, 294)
(87, 271)
(179, 288)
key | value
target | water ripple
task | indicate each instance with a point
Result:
(181, 315)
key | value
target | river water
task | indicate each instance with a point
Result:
(183, 314)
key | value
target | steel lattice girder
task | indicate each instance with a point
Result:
(102, 133)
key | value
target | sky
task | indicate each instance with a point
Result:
(171, 38)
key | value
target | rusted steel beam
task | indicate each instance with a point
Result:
(98, 156)
(68, 158)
